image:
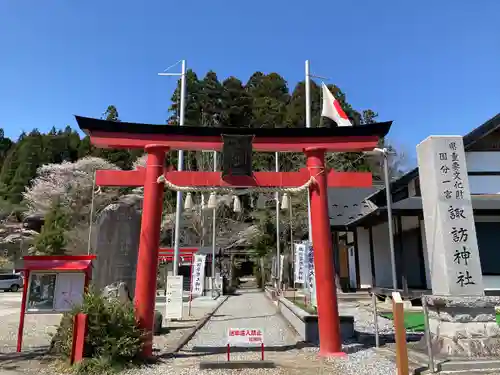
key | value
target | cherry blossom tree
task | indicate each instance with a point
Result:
(68, 184)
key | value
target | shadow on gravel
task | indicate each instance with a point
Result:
(368, 339)
(167, 329)
(200, 351)
(246, 317)
(249, 291)
(13, 361)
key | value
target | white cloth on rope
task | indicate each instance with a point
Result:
(234, 191)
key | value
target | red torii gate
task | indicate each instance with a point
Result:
(157, 140)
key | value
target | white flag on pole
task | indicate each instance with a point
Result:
(332, 109)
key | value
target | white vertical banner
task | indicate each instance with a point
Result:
(198, 276)
(282, 263)
(310, 274)
(273, 268)
(300, 263)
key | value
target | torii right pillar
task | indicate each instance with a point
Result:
(330, 340)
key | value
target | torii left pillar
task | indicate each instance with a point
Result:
(145, 294)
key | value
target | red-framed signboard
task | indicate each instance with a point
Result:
(53, 285)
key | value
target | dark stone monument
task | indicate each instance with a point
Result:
(116, 243)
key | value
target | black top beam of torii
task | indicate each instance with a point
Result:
(89, 125)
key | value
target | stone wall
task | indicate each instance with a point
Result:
(464, 326)
(116, 243)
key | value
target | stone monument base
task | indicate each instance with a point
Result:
(464, 326)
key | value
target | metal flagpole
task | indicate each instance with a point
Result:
(277, 197)
(91, 215)
(385, 154)
(308, 125)
(180, 164)
(214, 224)
(390, 221)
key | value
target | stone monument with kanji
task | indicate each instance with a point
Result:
(462, 319)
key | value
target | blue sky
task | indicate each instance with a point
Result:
(431, 66)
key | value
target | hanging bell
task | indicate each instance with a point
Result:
(236, 204)
(285, 202)
(212, 201)
(261, 202)
(188, 202)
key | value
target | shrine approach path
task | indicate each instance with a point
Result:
(250, 308)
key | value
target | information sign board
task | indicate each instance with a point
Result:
(173, 308)
(245, 336)
(54, 292)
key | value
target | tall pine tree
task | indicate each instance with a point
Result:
(123, 158)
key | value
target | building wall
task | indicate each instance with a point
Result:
(382, 254)
(477, 162)
(426, 256)
(365, 272)
(413, 262)
(383, 258)
(490, 281)
(483, 161)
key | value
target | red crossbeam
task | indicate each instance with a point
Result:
(263, 179)
(182, 250)
(284, 144)
(185, 253)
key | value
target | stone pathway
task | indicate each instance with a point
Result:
(250, 309)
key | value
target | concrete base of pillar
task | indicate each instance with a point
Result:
(464, 326)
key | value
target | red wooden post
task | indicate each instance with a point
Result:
(228, 353)
(23, 311)
(79, 332)
(147, 264)
(330, 340)
(262, 351)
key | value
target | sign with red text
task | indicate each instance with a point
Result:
(245, 336)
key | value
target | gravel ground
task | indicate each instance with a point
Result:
(293, 362)
(364, 325)
(249, 309)
(252, 309)
(176, 329)
(38, 328)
